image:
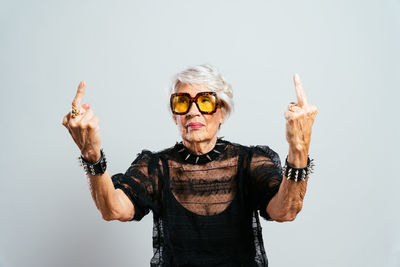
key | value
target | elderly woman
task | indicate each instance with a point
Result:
(206, 193)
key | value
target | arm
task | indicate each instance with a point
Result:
(288, 202)
(131, 195)
(113, 203)
(84, 129)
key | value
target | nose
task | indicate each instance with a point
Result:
(193, 110)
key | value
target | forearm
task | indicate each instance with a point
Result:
(288, 202)
(300, 116)
(104, 195)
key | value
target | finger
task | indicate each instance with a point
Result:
(89, 120)
(77, 118)
(79, 95)
(86, 106)
(66, 119)
(288, 115)
(291, 105)
(88, 115)
(301, 96)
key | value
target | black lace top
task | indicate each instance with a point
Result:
(205, 208)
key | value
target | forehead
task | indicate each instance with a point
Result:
(192, 89)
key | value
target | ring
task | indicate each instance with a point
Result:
(290, 107)
(75, 112)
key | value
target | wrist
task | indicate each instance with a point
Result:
(297, 157)
(92, 156)
(94, 168)
(298, 148)
(297, 173)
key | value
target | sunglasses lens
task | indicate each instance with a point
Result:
(207, 103)
(180, 103)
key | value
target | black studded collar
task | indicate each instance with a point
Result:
(213, 154)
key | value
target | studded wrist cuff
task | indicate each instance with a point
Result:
(296, 174)
(96, 168)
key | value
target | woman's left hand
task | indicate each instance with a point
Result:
(300, 117)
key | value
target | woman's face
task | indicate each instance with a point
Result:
(195, 126)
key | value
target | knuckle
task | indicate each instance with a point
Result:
(72, 124)
(290, 118)
(92, 125)
(83, 124)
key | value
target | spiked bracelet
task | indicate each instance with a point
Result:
(96, 168)
(296, 174)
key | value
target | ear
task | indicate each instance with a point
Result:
(221, 121)
(222, 117)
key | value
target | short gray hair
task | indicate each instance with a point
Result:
(209, 76)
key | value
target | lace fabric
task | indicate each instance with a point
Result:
(204, 214)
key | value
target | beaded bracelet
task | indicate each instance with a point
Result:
(96, 168)
(293, 173)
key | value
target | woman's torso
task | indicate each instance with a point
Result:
(205, 219)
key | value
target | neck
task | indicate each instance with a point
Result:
(200, 147)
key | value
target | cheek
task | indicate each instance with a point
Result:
(180, 123)
(212, 122)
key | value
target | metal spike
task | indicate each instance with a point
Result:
(216, 151)
(197, 159)
(297, 174)
(208, 157)
(181, 150)
(187, 156)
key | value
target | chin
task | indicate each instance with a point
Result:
(196, 136)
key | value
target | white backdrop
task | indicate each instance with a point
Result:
(346, 52)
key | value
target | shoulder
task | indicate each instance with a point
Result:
(260, 151)
(266, 151)
(147, 155)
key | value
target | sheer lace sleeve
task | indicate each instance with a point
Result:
(141, 184)
(265, 175)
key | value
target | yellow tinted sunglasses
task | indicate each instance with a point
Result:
(206, 102)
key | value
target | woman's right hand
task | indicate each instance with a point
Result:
(84, 128)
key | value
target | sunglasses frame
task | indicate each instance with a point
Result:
(194, 99)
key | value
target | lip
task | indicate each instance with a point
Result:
(195, 125)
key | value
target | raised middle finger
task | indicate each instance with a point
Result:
(301, 95)
(79, 95)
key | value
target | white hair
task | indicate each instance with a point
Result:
(209, 76)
